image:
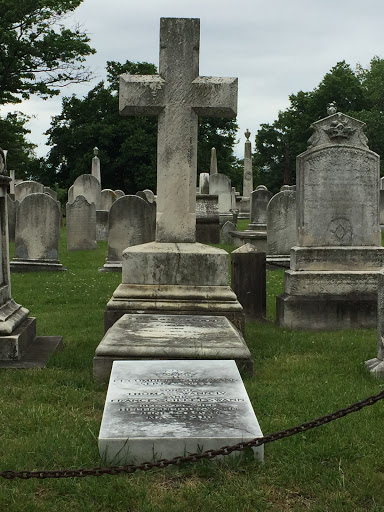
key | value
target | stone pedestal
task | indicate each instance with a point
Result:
(152, 337)
(170, 278)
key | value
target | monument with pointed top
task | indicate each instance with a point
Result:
(213, 166)
(174, 274)
(96, 172)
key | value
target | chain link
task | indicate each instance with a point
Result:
(195, 457)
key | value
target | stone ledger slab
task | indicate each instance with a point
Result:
(170, 337)
(163, 409)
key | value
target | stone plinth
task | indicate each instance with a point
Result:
(170, 337)
(258, 239)
(174, 279)
(163, 409)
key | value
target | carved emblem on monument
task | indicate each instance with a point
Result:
(339, 128)
(341, 229)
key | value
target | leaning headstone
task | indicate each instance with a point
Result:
(25, 188)
(81, 225)
(259, 202)
(11, 207)
(248, 279)
(225, 232)
(175, 274)
(19, 346)
(88, 186)
(376, 365)
(130, 223)
(37, 235)
(204, 183)
(96, 172)
(50, 192)
(108, 197)
(332, 281)
(71, 196)
(119, 193)
(281, 224)
(164, 409)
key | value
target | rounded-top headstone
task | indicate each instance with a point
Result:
(261, 187)
(119, 193)
(25, 188)
(281, 223)
(149, 194)
(88, 186)
(108, 197)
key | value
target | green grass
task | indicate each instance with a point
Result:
(50, 418)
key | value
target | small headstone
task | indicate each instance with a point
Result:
(50, 192)
(108, 197)
(88, 186)
(220, 185)
(207, 219)
(281, 223)
(204, 183)
(81, 225)
(25, 188)
(149, 195)
(130, 223)
(163, 409)
(259, 202)
(119, 193)
(37, 235)
(382, 183)
(225, 233)
(71, 196)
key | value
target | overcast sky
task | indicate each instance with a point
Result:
(274, 47)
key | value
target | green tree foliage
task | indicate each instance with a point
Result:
(13, 138)
(127, 145)
(38, 54)
(358, 93)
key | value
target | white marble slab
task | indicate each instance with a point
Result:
(162, 409)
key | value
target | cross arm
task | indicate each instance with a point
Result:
(141, 95)
(214, 96)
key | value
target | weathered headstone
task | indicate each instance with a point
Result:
(225, 232)
(11, 208)
(259, 202)
(12, 183)
(81, 225)
(37, 235)
(382, 183)
(376, 365)
(88, 186)
(207, 219)
(175, 274)
(204, 183)
(170, 337)
(71, 196)
(130, 223)
(281, 224)
(108, 197)
(381, 208)
(96, 171)
(50, 192)
(18, 339)
(220, 185)
(164, 409)
(25, 188)
(332, 281)
(249, 280)
(119, 193)
(102, 225)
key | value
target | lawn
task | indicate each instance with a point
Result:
(50, 418)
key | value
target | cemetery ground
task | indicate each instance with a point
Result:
(50, 418)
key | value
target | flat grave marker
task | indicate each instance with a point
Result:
(162, 409)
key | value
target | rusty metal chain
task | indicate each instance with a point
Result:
(195, 457)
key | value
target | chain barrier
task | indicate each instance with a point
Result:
(195, 457)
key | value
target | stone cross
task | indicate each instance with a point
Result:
(178, 95)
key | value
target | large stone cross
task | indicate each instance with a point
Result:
(178, 95)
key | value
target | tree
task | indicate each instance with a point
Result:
(13, 138)
(127, 145)
(357, 93)
(38, 54)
